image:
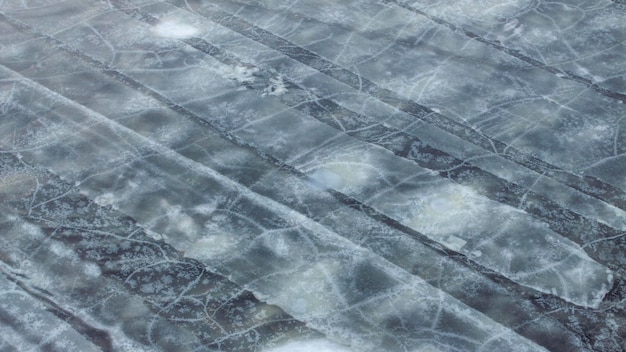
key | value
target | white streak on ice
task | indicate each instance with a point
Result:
(171, 28)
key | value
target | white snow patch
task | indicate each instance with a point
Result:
(450, 210)
(240, 73)
(594, 133)
(211, 246)
(511, 24)
(327, 178)
(476, 253)
(105, 199)
(32, 230)
(348, 174)
(342, 176)
(154, 235)
(583, 71)
(312, 297)
(276, 87)
(172, 28)
(92, 270)
(179, 220)
(61, 251)
(454, 243)
(207, 208)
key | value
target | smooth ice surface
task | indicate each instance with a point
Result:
(330, 176)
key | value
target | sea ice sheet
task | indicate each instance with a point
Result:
(285, 175)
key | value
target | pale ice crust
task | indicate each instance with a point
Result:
(173, 28)
(462, 220)
(276, 176)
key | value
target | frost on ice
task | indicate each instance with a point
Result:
(312, 175)
(174, 28)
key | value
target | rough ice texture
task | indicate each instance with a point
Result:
(312, 175)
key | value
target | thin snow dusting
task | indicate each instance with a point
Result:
(173, 28)
(312, 176)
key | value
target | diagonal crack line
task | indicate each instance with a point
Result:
(589, 185)
(167, 255)
(411, 148)
(524, 292)
(515, 53)
(98, 337)
(463, 260)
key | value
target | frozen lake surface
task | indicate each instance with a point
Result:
(312, 175)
